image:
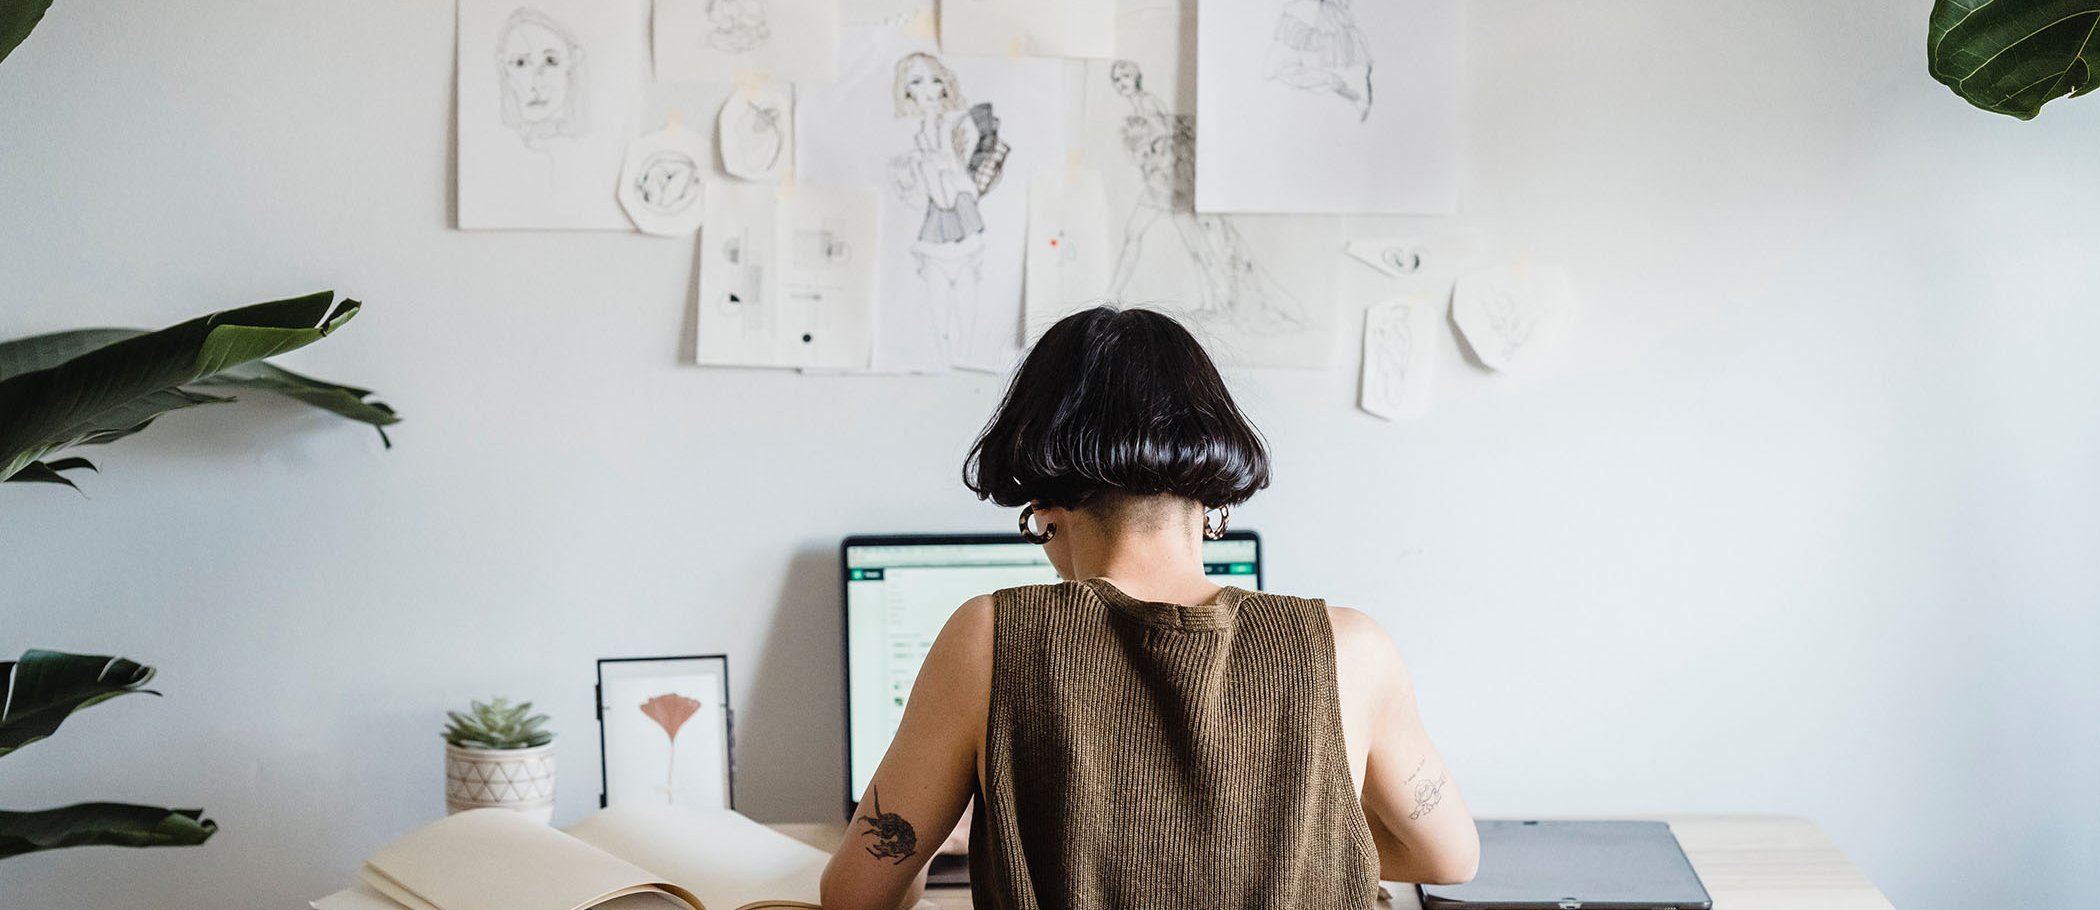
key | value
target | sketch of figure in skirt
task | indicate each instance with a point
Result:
(1231, 286)
(956, 157)
(1318, 48)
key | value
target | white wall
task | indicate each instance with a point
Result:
(1806, 524)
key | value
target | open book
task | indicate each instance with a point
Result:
(625, 858)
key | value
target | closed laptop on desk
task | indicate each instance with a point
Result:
(1575, 865)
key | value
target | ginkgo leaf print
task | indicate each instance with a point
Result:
(670, 711)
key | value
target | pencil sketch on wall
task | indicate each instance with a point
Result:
(756, 129)
(1512, 316)
(661, 181)
(1428, 258)
(737, 26)
(669, 182)
(783, 282)
(731, 40)
(1317, 48)
(952, 142)
(1295, 116)
(1232, 284)
(956, 157)
(539, 68)
(1397, 358)
(546, 105)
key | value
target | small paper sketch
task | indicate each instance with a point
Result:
(1329, 106)
(787, 278)
(952, 141)
(1031, 28)
(548, 93)
(1399, 354)
(1317, 47)
(756, 131)
(662, 182)
(731, 40)
(1430, 257)
(737, 26)
(1513, 316)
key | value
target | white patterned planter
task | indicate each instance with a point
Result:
(520, 779)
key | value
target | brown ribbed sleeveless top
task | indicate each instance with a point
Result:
(1145, 754)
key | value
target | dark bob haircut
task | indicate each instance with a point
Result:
(1117, 401)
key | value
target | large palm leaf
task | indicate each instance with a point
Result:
(46, 687)
(91, 386)
(43, 689)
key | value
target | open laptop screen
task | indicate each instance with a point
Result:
(901, 590)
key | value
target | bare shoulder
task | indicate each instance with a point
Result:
(1363, 650)
(965, 640)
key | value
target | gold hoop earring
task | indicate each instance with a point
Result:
(1029, 534)
(1224, 519)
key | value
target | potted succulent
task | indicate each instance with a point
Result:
(499, 755)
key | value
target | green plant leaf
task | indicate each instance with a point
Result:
(45, 687)
(102, 824)
(39, 352)
(2013, 56)
(17, 18)
(42, 352)
(48, 471)
(113, 390)
(341, 400)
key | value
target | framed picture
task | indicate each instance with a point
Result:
(664, 731)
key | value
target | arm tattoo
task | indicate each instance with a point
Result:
(1427, 795)
(894, 838)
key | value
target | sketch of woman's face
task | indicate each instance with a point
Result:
(1124, 76)
(924, 86)
(536, 65)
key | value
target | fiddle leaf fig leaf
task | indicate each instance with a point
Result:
(2013, 56)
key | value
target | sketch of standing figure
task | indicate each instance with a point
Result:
(1318, 48)
(956, 157)
(737, 26)
(1231, 284)
(540, 68)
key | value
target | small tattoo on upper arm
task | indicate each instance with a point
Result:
(1427, 795)
(894, 838)
(1418, 769)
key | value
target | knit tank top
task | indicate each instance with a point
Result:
(1143, 754)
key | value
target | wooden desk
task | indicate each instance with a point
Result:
(1749, 862)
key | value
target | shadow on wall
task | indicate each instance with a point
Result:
(790, 735)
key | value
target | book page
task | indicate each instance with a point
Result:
(496, 859)
(726, 859)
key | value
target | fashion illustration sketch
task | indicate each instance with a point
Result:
(539, 67)
(1317, 47)
(1161, 146)
(955, 158)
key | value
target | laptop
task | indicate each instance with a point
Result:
(898, 592)
(1575, 865)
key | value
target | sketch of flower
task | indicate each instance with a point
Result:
(670, 711)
